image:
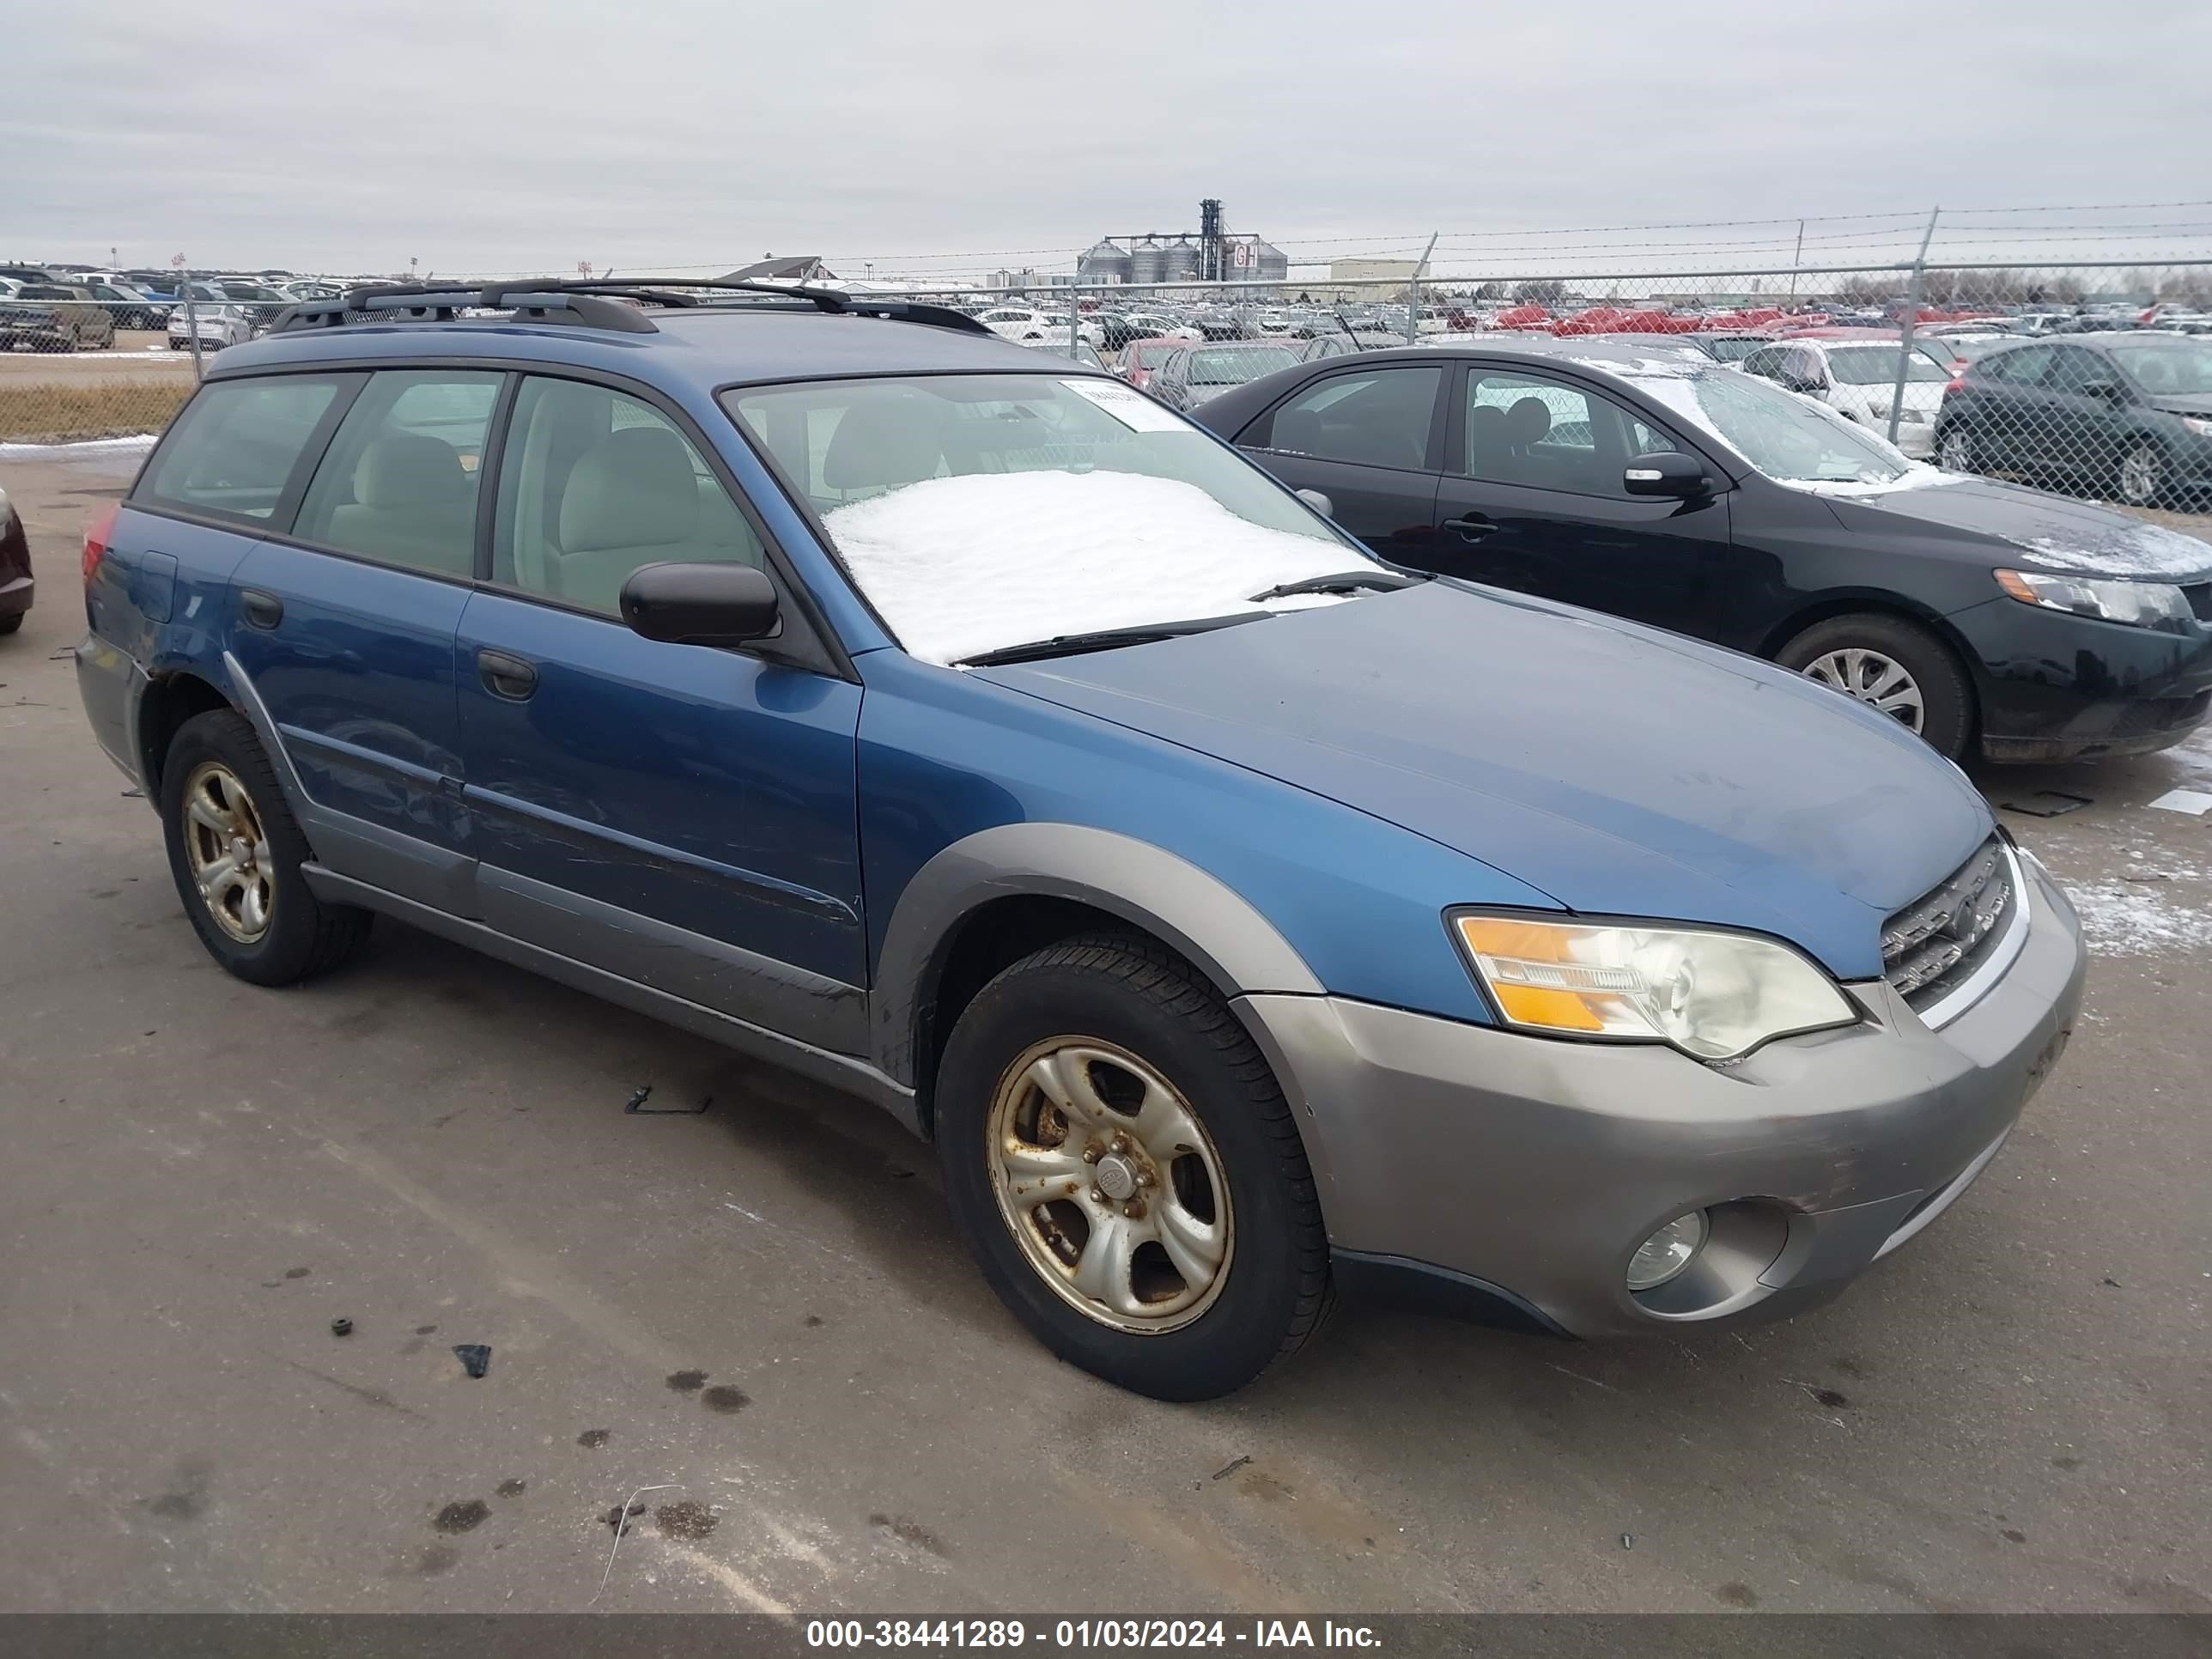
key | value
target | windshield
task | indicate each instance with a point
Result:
(977, 512)
(1233, 365)
(2183, 366)
(1876, 365)
(1788, 438)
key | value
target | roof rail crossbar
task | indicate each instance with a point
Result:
(591, 303)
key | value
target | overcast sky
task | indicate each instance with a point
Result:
(492, 135)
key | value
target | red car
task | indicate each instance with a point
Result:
(1141, 359)
(14, 567)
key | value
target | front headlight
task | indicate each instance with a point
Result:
(1713, 995)
(2143, 604)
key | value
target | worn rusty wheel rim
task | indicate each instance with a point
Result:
(1110, 1185)
(227, 849)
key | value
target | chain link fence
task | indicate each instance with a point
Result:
(2094, 378)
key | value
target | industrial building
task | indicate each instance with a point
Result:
(1210, 254)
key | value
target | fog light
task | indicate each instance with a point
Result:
(1667, 1252)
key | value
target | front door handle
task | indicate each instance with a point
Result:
(1474, 526)
(506, 676)
(261, 610)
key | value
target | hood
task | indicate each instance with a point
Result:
(2044, 531)
(1619, 770)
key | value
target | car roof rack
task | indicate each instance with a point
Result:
(594, 303)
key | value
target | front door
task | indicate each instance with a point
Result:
(681, 816)
(1365, 438)
(1533, 500)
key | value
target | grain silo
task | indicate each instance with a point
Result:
(1144, 262)
(1179, 261)
(1104, 263)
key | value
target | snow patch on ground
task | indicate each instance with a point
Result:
(2152, 907)
(2132, 919)
(87, 448)
(964, 565)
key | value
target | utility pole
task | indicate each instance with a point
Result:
(1796, 259)
(1911, 320)
(1413, 291)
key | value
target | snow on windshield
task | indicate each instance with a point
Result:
(1796, 441)
(960, 566)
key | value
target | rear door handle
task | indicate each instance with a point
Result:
(261, 610)
(506, 676)
(1474, 526)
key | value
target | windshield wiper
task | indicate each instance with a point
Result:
(1344, 581)
(1106, 639)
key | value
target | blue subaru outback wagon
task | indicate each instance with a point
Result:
(1242, 918)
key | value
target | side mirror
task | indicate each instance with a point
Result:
(701, 603)
(1670, 473)
(1319, 502)
(2106, 391)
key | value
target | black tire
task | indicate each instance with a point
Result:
(1947, 704)
(1132, 993)
(10, 624)
(304, 936)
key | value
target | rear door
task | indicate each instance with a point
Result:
(344, 620)
(2082, 432)
(1369, 439)
(2009, 409)
(685, 817)
(1533, 499)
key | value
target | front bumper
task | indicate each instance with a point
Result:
(1528, 1170)
(15, 594)
(2056, 686)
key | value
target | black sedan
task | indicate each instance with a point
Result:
(1984, 616)
(16, 584)
(2130, 414)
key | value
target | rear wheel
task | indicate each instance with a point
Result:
(1895, 666)
(1955, 450)
(10, 624)
(236, 852)
(1127, 1173)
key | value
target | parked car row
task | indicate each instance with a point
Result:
(1244, 917)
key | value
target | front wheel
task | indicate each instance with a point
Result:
(1893, 665)
(1127, 1173)
(2142, 478)
(236, 852)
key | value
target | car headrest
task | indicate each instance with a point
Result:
(883, 442)
(1487, 429)
(409, 468)
(1528, 421)
(1299, 429)
(633, 488)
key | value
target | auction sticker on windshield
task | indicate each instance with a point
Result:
(1128, 405)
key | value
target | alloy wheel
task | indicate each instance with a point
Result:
(1957, 453)
(2139, 476)
(228, 850)
(1872, 678)
(1110, 1185)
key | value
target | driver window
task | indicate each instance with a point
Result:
(1544, 434)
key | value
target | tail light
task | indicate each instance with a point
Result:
(1956, 383)
(97, 536)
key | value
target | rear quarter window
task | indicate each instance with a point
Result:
(233, 450)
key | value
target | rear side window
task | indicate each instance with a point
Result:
(231, 452)
(1379, 418)
(398, 484)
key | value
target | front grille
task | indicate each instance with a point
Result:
(1931, 945)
